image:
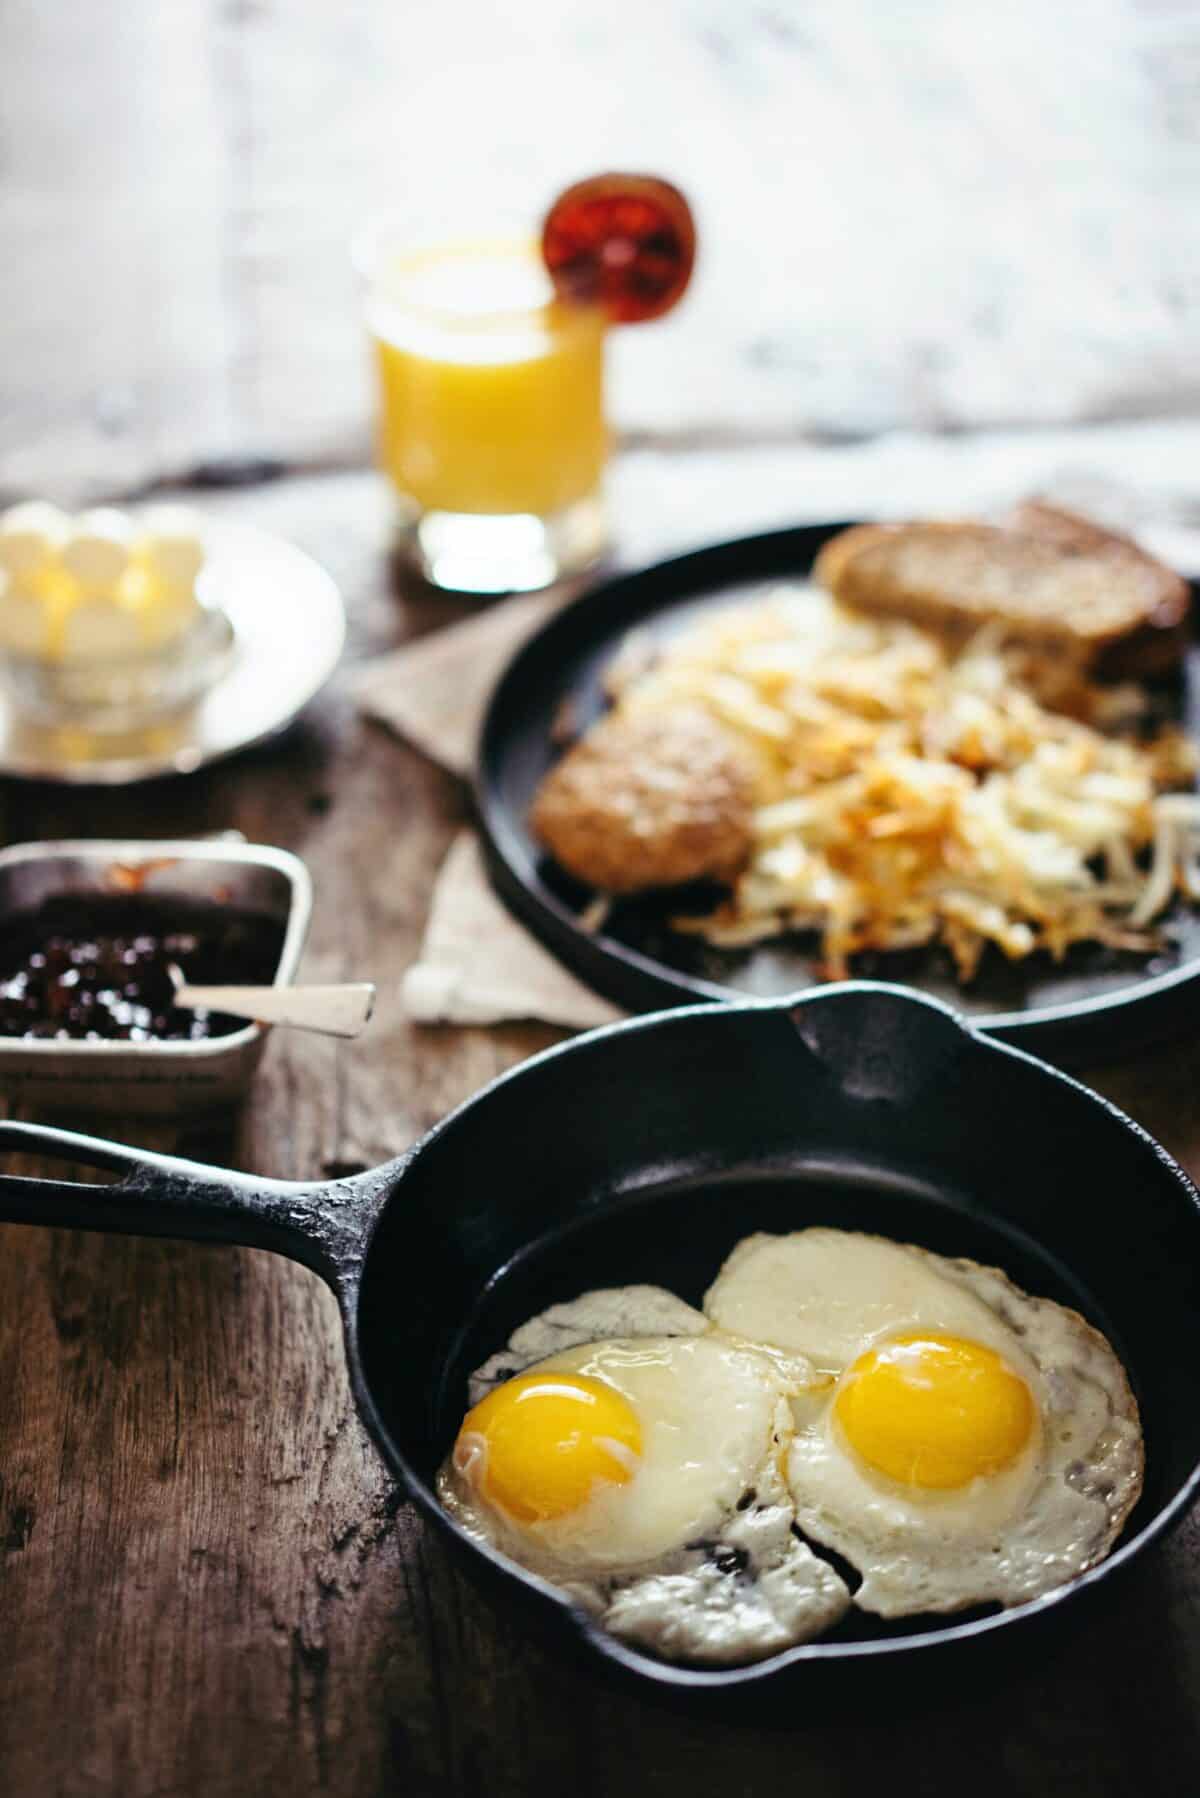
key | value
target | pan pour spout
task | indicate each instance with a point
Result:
(880, 1042)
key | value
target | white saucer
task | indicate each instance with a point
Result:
(289, 626)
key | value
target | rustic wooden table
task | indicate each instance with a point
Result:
(207, 1583)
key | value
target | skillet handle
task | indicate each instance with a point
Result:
(323, 1226)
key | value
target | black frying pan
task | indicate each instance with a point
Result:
(642, 1153)
(1097, 1004)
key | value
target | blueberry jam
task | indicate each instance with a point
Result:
(94, 968)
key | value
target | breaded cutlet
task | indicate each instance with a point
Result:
(649, 801)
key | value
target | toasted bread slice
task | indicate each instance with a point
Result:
(1159, 644)
(1058, 585)
(835, 556)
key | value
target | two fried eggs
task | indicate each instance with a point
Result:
(683, 1474)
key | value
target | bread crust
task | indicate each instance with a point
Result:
(1056, 583)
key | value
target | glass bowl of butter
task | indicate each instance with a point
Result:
(106, 622)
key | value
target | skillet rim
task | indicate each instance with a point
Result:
(617, 970)
(586, 1630)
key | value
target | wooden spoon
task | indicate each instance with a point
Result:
(332, 1010)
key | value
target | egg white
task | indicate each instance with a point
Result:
(598, 1316)
(1005, 1538)
(711, 1414)
(695, 1557)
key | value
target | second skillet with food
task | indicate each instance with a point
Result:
(644, 1153)
(1096, 1005)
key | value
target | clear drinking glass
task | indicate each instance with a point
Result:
(491, 408)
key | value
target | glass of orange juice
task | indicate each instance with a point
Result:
(491, 408)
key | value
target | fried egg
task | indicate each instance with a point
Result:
(643, 1473)
(595, 1316)
(960, 1442)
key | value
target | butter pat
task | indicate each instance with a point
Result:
(167, 615)
(102, 588)
(102, 629)
(24, 619)
(172, 545)
(31, 535)
(99, 549)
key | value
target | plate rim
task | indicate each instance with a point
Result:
(1050, 1030)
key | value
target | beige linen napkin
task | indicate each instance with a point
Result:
(477, 964)
(435, 691)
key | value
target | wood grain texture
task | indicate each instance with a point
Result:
(188, 1507)
(926, 216)
(914, 218)
(208, 1584)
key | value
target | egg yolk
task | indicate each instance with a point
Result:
(934, 1411)
(537, 1445)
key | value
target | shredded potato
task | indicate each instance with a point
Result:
(908, 793)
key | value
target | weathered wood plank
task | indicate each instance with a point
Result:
(189, 1507)
(207, 1584)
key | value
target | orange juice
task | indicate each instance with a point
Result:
(492, 396)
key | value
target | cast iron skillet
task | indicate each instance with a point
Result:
(642, 1153)
(1098, 1004)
